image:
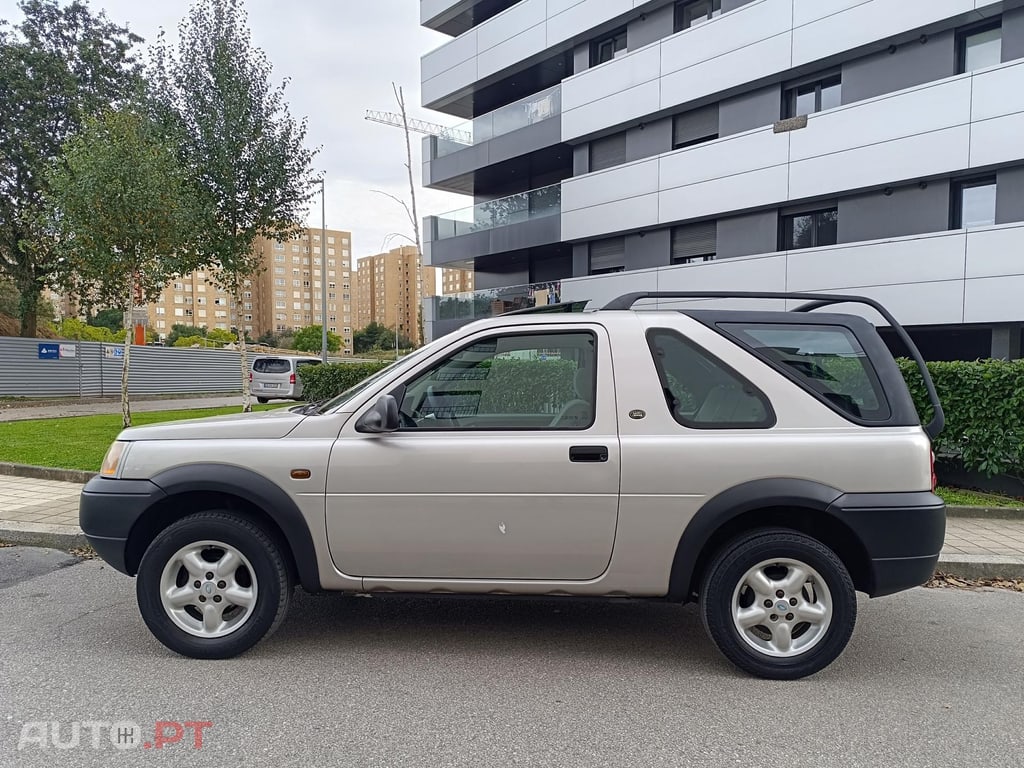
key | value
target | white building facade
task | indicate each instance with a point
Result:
(863, 146)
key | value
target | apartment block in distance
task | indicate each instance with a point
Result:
(285, 296)
(390, 287)
(865, 146)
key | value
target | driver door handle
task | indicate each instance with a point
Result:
(589, 453)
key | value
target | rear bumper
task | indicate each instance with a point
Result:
(902, 535)
(284, 392)
(108, 509)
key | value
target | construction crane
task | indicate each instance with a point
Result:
(420, 126)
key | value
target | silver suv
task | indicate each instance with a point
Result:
(767, 464)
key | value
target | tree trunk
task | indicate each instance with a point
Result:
(126, 408)
(28, 308)
(242, 356)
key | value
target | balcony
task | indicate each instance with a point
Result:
(516, 222)
(453, 17)
(443, 314)
(514, 141)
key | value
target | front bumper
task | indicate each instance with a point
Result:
(902, 535)
(107, 511)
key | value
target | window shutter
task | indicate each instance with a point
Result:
(608, 152)
(694, 240)
(609, 254)
(695, 125)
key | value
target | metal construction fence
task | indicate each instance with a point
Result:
(41, 368)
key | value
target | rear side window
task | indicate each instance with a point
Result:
(701, 391)
(826, 359)
(271, 365)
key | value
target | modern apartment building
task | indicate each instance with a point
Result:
(869, 146)
(285, 296)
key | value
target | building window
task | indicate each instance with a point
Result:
(695, 127)
(694, 12)
(278, 246)
(809, 97)
(810, 229)
(608, 152)
(608, 48)
(694, 243)
(979, 47)
(607, 256)
(974, 203)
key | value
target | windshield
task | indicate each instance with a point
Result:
(339, 400)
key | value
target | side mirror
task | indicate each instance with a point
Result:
(382, 417)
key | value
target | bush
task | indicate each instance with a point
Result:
(320, 382)
(983, 402)
(73, 328)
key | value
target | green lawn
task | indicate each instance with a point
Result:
(79, 442)
(961, 497)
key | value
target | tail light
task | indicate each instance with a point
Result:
(250, 377)
(935, 478)
(291, 379)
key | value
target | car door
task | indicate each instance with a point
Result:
(506, 466)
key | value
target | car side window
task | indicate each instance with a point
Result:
(513, 381)
(701, 391)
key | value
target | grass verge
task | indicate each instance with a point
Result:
(964, 498)
(79, 442)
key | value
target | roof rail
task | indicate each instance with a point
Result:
(813, 301)
(548, 309)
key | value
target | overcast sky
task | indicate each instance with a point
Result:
(341, 56)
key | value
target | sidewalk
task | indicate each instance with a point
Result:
(21, 410)
(45, 513)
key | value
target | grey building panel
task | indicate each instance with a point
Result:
(912, 63)
(511, 237)
(909, 210)
(1010, 195)
(748, 234)
(1013, 34)
(580, 259)
(755, 109)
(580, 159)
(581, 58)
(649, 249)
(649, 27)
(652, 139)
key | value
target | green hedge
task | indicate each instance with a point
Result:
(984, 406)
(320, 382)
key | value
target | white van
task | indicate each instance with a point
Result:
(275, 377)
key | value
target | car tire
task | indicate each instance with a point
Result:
(778, 604)
(262, 400)
(212, 585)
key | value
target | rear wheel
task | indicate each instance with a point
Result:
(778, 604)
(212, 585)
(262, 400)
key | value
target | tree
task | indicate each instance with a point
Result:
(178, 330)
(58, 67)
(240, 140)
(124, 211)
(377, 336)
(111, 318)
(310, 339)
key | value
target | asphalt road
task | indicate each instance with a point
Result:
(931, 678)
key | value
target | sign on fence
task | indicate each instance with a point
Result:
(49, 351)
(115, 352)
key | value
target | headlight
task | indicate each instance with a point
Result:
(113, 458)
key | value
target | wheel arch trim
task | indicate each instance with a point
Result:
(259, 491)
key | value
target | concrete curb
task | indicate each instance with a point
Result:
(986, 513)
(982, 566)
(42, 535)
(46, 473)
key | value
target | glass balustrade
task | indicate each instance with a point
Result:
(512, 117)
(523, 206)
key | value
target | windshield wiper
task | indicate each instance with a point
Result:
(310, 409)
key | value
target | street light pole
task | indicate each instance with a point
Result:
(323, 268)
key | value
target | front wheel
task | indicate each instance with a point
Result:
(212, 585)
(778, 604)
